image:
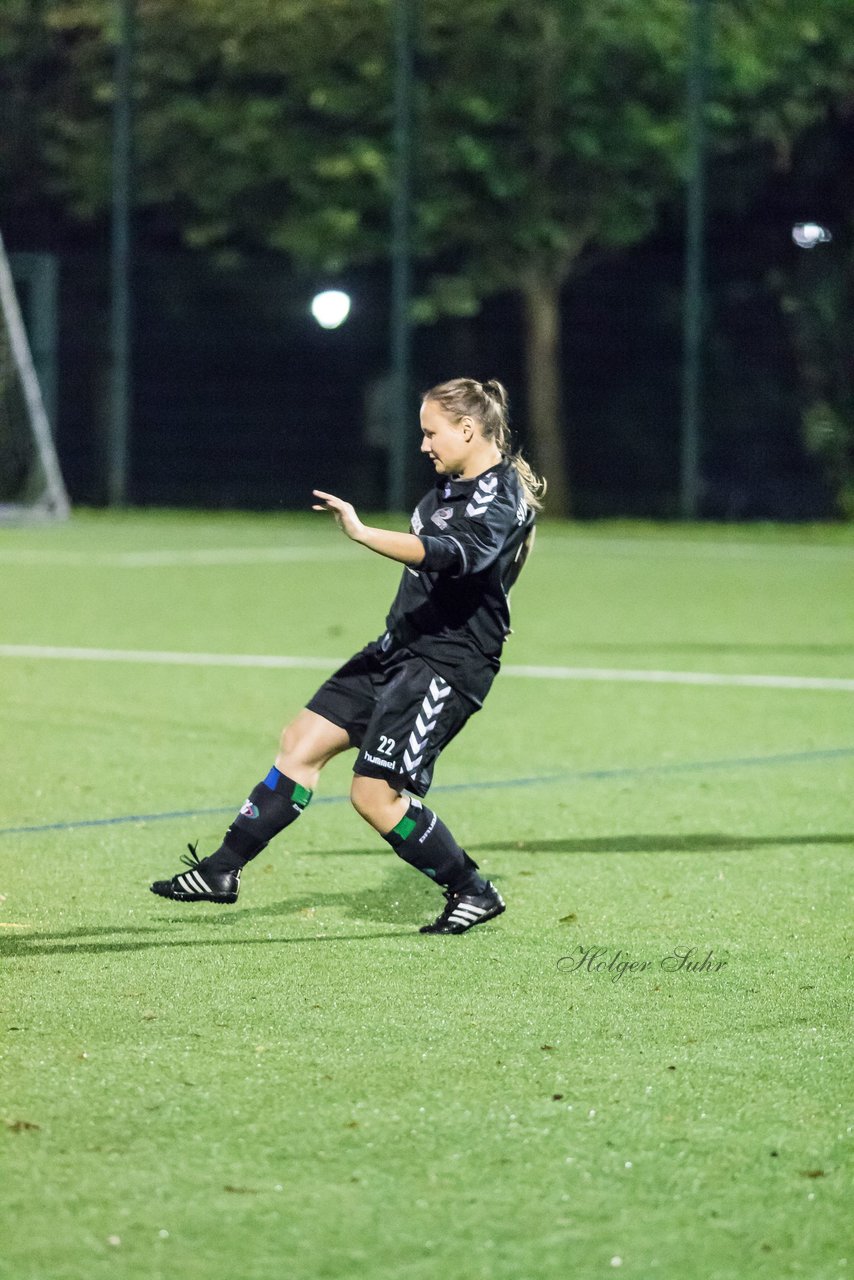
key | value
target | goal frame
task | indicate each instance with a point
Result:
(53, 502)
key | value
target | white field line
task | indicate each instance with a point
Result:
(164, 657)
(689, 549)
(191, 557)
(576, 547)
(278, 661)
(609, 674)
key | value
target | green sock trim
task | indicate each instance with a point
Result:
(301, 795)
(405, 827)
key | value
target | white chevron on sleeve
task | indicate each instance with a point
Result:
(485, 493)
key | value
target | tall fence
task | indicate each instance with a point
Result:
(241, 400)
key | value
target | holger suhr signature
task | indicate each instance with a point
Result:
(617, 963)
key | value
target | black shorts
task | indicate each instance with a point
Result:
(397, 711)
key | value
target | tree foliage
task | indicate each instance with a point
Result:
(256, 124)
(549, 131)
(555, 131)
(559, 132)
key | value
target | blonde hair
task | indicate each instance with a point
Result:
(488, 404)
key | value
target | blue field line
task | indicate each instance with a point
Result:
(573, 776)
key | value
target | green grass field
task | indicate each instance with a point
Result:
(302, 1085)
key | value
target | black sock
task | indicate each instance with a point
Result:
(273, 805)
(423, 840)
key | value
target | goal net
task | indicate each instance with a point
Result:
(31, 485)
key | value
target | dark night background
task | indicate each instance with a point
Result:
(241, 400)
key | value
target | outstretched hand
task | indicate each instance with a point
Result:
(403, 547)
(344, 513)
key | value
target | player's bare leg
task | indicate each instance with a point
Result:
(378, 802)
(307, 744)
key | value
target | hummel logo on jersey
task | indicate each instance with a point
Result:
(425, 723)
(487, 487)
(442, 516)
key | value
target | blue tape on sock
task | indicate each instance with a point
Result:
(272, 778)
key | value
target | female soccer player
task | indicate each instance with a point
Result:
(403, 698)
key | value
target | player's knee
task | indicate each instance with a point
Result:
(375, 801)
(290, 741)
(298, 753)
(361, 798)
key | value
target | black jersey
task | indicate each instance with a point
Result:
(454, 609)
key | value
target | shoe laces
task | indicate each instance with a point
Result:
(194, 860)
(451, 900)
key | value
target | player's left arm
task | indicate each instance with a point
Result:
(403, 547)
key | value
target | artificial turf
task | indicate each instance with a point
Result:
(302, 1085)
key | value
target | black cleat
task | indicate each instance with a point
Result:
(200, 883)
(464, 910)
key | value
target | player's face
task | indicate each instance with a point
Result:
(446, 441)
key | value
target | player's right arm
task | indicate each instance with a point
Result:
(403, 547)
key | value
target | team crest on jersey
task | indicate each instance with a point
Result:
(442, 516)
(487, 487)
(417, 523)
